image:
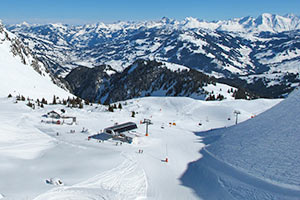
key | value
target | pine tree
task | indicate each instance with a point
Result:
(132, 114)
(120, 106)
(44, 101)
(211, 97)
(64, 102)
(240, 94)
(110, 108)
(220, 97)
(54, 100)
(29, 104)
(77, 100)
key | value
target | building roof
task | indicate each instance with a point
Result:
(120, 128)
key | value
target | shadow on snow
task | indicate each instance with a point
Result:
(211, 178)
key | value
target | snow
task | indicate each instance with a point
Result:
(109, 72)
(221, 89)
(117, 65)
(198, 42)
(258, 157)
(175, 67)
(168, 48)
(18, 78)
(191, 23)
(92, 170)
(154, 47)
(264, 22)
(254, 159)
(288, 66)
(140, 41)
(232, 69)
(84, 63)
(194, 33)
(224, 47)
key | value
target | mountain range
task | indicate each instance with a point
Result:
(259, 54)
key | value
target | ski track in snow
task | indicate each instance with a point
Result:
(126, 181)
(221, 167)
(91, 170)
(212, 174)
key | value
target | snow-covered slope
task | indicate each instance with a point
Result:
(258, 157)
(21, 73)
(32, 152)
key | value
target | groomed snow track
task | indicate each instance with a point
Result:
(228, 182)
(126, 181)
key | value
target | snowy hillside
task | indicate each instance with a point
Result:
(43, 160)
(258, 157)
(147, 78)
(21, 73)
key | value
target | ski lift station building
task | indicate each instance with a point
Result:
(120, 130)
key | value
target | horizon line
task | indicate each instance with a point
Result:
(84, 22)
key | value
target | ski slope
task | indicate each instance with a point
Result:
(31, 152)
(257, 159)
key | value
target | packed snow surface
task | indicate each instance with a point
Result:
(44, 161)
(275, 134)
(257, 159)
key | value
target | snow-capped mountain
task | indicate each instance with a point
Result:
(21, 73)
(263, 23)
(266, 47)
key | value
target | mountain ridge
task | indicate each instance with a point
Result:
(143, 78)
(21, 73)
(248, 23)
(267, 52)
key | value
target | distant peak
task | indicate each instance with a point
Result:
(191, 19)
(167, 20)
(267, 15)
(191, 22)
(24, 24)
(57, 25)
(291, 15)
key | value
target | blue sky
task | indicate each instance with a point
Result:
(91, 11)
